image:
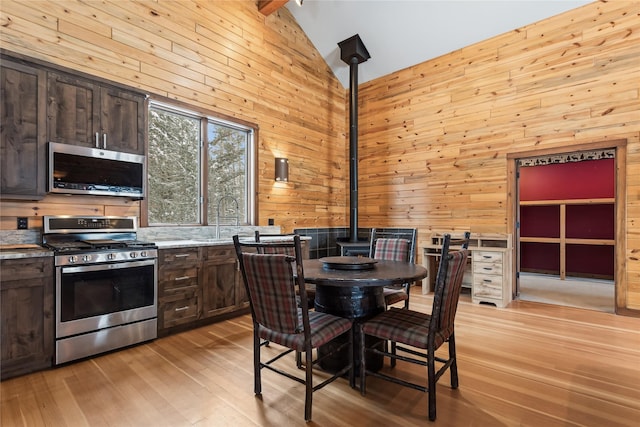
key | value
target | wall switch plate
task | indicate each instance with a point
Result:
(23, 223)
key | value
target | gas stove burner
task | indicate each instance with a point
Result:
(87, 235)
(104, 244)
(99, 245)
(68, 246)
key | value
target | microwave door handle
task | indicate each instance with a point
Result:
(97, 139)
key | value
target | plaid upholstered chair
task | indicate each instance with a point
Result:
(311, 288)
(412, 332)
(271, 283)
(398, 245)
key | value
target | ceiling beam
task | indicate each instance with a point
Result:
(266, 7)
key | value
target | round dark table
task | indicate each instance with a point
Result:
(356, 295)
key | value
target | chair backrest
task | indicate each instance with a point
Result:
(447, 289)
(275, 249)
(271, 278)
(396, 245)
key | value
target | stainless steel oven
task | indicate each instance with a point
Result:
(105, 285)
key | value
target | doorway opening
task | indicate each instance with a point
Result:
(566, 224)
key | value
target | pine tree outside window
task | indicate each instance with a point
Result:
(200, 169)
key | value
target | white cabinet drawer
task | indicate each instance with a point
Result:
(487, 268)
(483, 290)
(488, 280)
(487, 256)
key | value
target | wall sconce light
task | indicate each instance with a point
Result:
(282, 169)
(299, 2)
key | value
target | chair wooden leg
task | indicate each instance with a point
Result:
(298, 360)
(431, 379)
(454, 363)
(257, 383)
(363, 366)
(407, 289)
(352, 371)
(308, 400)
(393, 351)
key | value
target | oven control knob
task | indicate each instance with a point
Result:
(86, 258)
(143, 254)
(73, 259)
(133, 254)
(111, 256)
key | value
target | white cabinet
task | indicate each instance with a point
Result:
(488, 271)
(489, 279)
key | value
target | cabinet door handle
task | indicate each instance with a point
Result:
(177, 279)
(181, 255)
(186, 307)
(486, 256)
(97, 140)
(104, 141)
(487, 281)
(488, 268)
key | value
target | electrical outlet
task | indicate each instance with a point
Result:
(23, 223)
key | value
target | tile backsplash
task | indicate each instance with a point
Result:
(150, 234)
(324, 241)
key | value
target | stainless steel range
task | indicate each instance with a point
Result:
(106, 284)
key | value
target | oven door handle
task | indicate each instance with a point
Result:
(107, 266)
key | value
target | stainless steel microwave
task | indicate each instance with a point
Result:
(93, 171)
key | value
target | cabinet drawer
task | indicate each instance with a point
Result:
(178, 278)
(220, 253)
(179, 308)
(487, 268)
(487, 280)
(487, 256)
(26, 268)
(487, 287)
(482, 292)
(168, 258)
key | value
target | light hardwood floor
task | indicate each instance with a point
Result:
(527, 365)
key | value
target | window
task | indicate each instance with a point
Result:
(200, 169)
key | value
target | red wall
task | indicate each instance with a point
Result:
(578, 180)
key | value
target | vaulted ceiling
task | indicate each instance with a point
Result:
(402, 33)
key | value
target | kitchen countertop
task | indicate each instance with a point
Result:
(23, 250)
(185, 243)
(32, 250)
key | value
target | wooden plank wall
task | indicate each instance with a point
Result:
(224, 56)
(436, 136)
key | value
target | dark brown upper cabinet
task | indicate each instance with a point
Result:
(87, 113)
(22, 131)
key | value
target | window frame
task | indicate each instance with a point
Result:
(205, 116)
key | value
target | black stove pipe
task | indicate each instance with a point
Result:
(353, 149)
(353, 52)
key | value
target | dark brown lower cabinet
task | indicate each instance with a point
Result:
(196, 285)
(26, 315)
(220, 279)
(179, 291)
(199, 285)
